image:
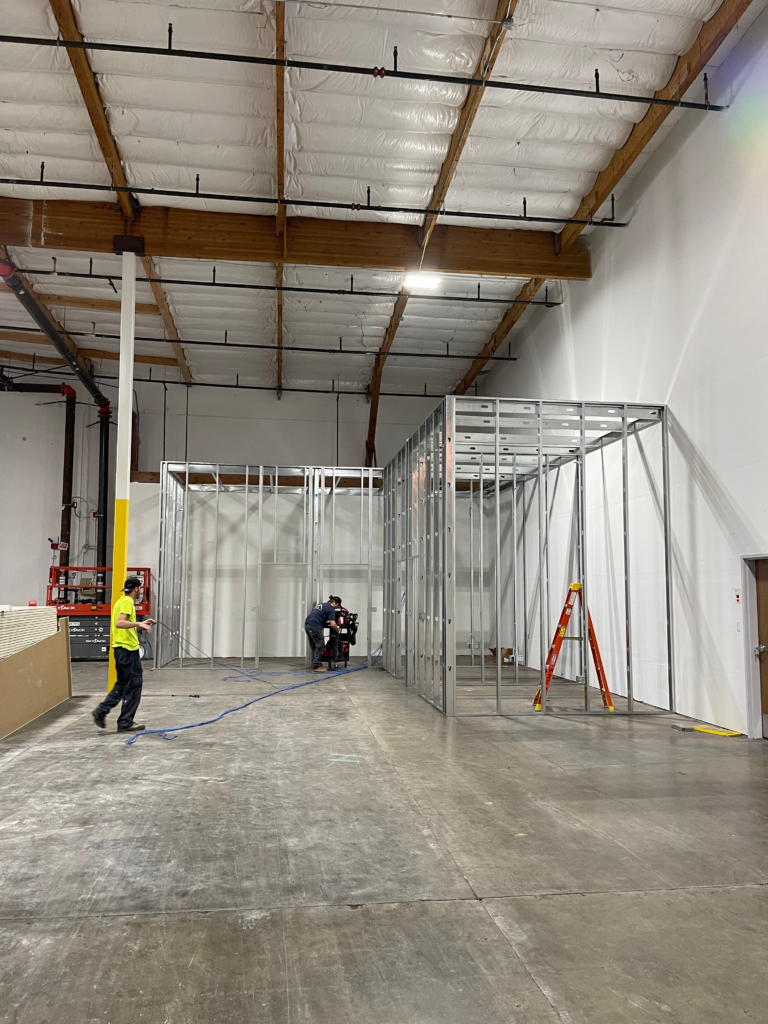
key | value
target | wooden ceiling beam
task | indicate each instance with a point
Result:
(128, 204)
(687, 70)
(91, 353)
(61, 224)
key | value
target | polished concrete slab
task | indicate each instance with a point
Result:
(343, 853)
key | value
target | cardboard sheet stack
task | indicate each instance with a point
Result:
(21, 627)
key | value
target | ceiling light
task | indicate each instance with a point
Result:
(422, 281)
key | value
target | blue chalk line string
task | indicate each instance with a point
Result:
(210, 721)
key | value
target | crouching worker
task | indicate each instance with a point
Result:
(314, 625)
(125, 649)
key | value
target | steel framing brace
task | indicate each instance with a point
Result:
(485, 521)
(337, 545)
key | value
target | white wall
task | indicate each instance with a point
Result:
(31, 466)
(676, 313)
(240, 427)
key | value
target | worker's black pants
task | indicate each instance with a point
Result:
(316, 642)
(127, 688)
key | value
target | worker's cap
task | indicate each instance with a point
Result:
(131, 583)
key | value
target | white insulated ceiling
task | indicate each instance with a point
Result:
(175, 118)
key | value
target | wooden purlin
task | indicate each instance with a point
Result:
(40, 339)
(65, 18)
(165, 312)
(686, 71)
(280, 114)
(177, 233)
(491, 50)
(375, 385)
(76, 352)
(527, 293)
(83, 302)
(458, 141)
(89, 89)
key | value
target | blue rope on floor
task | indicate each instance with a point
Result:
(210, 721)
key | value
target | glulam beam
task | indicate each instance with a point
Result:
(57, 224)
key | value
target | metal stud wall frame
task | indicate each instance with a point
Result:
(492, 510)
(245, 551)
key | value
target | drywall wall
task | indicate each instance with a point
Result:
(676, 313)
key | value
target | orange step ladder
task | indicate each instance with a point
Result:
(557, 643)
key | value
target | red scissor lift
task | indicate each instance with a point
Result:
(81, 593)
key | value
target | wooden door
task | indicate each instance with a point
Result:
(761, 574)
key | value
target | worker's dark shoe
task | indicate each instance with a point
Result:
(99, 718)
(133, 728)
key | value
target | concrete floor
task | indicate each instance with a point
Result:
(343, 854)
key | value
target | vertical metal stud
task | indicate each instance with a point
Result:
(245, 573)
(259, 561)
(542, 521)
(497, 567)
(449, 557)
(370, 568)
(584, 554)
(627, 577)
(481, 568)
(668, 580)
(215, 567)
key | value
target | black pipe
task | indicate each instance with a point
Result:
(14, 282)
(264, 387)
(343, 69)
(101, 530)
(266, 200)
(295, 288)
(65, 530)
(293, 348)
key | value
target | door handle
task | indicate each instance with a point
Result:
(760, 649)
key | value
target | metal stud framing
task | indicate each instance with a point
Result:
(470, 561)
(326, 553)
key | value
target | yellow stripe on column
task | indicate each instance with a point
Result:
(119, 570)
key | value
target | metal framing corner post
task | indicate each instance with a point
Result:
(124, 429)
(449, 558)
(627, 577)
(542, 520)
(668, 561)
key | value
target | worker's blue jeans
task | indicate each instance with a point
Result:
(127, 689)
(317, 643)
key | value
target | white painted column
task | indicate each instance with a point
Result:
(124, 432)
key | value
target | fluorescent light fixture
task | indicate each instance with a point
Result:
(422, 281)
